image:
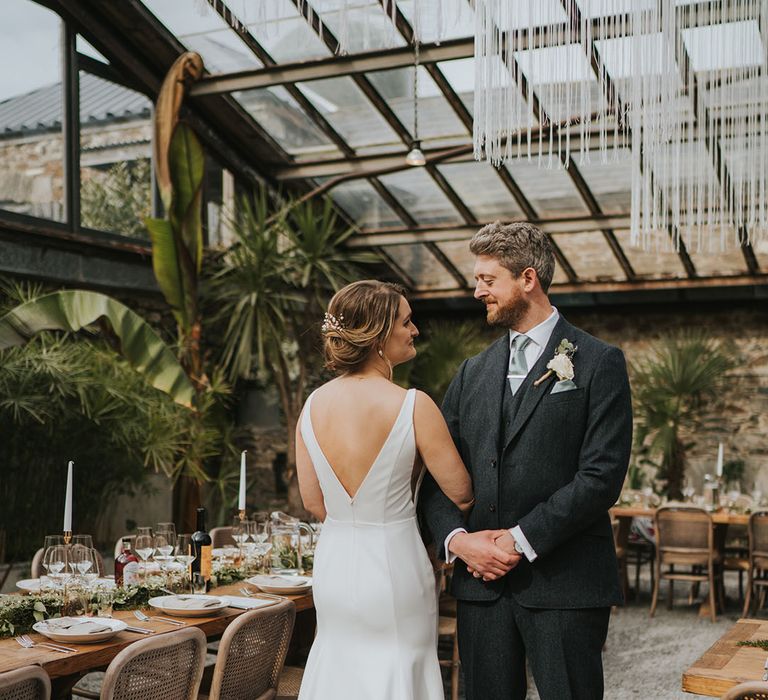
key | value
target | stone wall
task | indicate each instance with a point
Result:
(743, 424)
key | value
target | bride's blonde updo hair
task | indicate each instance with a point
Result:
(359, 320)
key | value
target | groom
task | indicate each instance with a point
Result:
(547, 451)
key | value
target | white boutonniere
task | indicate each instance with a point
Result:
(561, 364)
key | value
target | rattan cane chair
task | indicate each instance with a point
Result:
(166, 667)
(251, 654)
(758, 560)
(221, 536)
(28, 683)
(751, 690)
(685, 537)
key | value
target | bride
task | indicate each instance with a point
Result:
(361, 442)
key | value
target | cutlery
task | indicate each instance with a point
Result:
(146, 618)
(27, 643)
(139, 630)
(268, 596)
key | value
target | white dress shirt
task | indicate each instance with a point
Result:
(539, 336)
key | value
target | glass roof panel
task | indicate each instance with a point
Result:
(601, 8)
(350, 113)
(84, 47)
(590, 256)
(420, 196)
(422, 266)
(201, 29)
(559, 277)
(482, 190)
(531, 14)
(460, 73)
(436, 118)
(458, 253)
(661, 263)
(364, 204)
(368, 27)
(550, 191)
(717, 262)
(447, 19)
(286, 35)
(722, 46)
(610, 182)
(279, 114)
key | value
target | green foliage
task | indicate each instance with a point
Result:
(71, 310)
(674, 390)
(19, 613)
(177, 240)
(118, 200)
(446, 346)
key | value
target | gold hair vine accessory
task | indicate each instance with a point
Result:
(331, 323)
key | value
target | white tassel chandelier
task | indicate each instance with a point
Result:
(682, 85)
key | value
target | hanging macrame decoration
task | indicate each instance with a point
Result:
(680, 85)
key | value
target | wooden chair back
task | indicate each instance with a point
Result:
(252, 653)
(166, 666)
(684, 535)
(28, 683)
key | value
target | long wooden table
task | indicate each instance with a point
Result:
(725, 664)
(66, 669)
(719, 517)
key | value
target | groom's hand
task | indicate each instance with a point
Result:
(483, 557)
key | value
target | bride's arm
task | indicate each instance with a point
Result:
(309, 486)
(439, 453)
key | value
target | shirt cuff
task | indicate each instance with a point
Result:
(450, 557)
(517, 533)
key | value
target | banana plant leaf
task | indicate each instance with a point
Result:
(72, 310)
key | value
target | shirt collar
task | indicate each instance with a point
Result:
(540, 334)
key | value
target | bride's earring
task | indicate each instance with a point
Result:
(381, 353)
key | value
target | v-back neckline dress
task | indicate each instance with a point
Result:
(373, 585)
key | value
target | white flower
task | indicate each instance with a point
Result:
(562, 366)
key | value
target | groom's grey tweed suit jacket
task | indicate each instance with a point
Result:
(554, 471)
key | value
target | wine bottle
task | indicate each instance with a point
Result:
(201, 547)
(125, 557)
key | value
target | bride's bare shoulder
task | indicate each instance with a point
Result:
(353, 394)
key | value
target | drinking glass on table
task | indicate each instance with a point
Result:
(239, 534)
(144, 546)
(55, 561)
(183, 553)
(84, 540)
(165, 540)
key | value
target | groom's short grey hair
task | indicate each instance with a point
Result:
(517, 246)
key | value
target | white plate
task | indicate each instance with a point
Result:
(172, 605)
(273, 583)
(73, 637)
(32, 585)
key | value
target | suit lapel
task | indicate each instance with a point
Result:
(496, 369)
(534, 394)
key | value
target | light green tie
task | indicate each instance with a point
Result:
(518, 367)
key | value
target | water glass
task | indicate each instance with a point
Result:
(199, 584)
(104, 598)
(183, 554)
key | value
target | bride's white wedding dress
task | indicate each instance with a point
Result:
(373, 585)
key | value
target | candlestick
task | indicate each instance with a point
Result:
(68, 501)
(241, 499)
(719, 467)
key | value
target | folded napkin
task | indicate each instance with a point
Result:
(193, 603)
(74, 626)
(242, 603)
(281, 580)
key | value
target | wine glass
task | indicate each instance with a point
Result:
(54, 560)
(165, 540)
(239, 533)
(184, 552)
(48, 542)
(84, 540)
(144, 546)
(81, 561)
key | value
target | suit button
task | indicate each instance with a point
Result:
(492, 508)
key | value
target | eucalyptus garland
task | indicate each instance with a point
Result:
(19, 612)
(760, 643)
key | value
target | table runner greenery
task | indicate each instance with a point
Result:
(19, 612)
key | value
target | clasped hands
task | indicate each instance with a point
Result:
(488, 554)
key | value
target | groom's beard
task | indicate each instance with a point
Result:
(508, 316)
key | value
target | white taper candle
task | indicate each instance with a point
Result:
(719, 467)
(241, 499)
(68, 501)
